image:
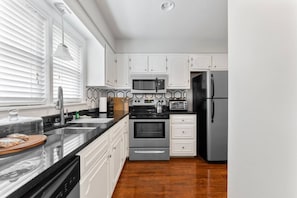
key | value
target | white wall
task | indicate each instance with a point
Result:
(87, 12)
(262, 157)
(171, 46)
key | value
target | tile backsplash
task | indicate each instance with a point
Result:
(93, 95)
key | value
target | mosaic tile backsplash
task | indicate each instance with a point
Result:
(93, 95)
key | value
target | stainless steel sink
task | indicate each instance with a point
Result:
(93, 120)
(85, 125)
(70, 130)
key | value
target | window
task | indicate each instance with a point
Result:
(22, 54)
(67, 73)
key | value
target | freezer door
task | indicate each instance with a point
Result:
(217, 84)
(217, 129)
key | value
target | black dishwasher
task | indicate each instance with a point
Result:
(64, 183)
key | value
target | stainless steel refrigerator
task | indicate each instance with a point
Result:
(210, 101)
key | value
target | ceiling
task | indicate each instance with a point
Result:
(144, 19)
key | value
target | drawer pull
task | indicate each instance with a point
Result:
(183, 131)
(183, 147)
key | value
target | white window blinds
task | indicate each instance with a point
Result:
(67, 74)
(22, 54)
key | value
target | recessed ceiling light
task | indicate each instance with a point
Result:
(167, 5)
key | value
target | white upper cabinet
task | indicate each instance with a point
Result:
(101, 70)
(178, 71)
(96, 64)
(220, 61)
(157, 64)
(138, 63)
(110, 65)
(200, 62)
(143, 63)
(122, 68)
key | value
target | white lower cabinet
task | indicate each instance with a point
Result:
(116, 154)
(116, 161)
(94, 163)
(126, 137)
(183, 135)
(102, 162)
(95, 184)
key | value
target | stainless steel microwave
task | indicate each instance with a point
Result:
(148, 83)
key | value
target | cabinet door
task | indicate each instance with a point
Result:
(200, 62)
(126, 137)
(96, 183)
(138, 63)
(110, 67)
(220, 62)
(157, 64)
(116, 161)
(90, 155)
(122, 67)
(178, 72)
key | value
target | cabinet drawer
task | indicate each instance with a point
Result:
(90, 155)
(180, 119)
(183, 148)
(183, 131)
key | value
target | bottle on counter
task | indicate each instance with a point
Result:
(77, 115)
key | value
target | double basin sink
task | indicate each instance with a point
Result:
(81, 126)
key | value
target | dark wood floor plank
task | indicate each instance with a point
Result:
(179, 177)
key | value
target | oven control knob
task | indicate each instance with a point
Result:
(135, 100)
(138, 101)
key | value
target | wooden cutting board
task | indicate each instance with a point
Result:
(118, 103)
(34, 140)
(121, 104)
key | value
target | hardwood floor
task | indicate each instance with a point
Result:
(177, 178)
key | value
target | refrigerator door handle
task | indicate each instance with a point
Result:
(212, 86)
(212, 111)
(156, 85)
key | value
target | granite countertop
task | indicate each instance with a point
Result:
(21, 171)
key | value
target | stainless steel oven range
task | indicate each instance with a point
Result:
(149, 132)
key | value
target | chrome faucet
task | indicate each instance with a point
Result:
(60, 105)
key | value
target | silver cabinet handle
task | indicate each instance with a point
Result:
(147, 152)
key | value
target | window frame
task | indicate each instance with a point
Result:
(52, 17)
(68, 29)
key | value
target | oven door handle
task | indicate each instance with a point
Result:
(147, 152)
